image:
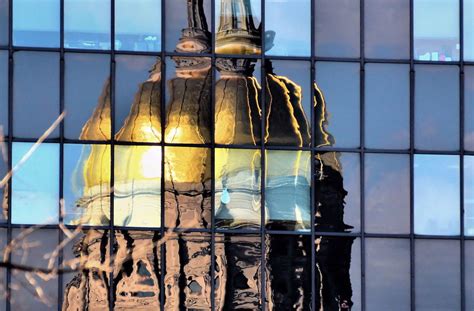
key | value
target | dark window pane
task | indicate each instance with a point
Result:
(86, 184)
(182, 24)
(469, 108)
(188, 100)
(138, 29)
(337, 28)
(468, 30)
(288, 104)
(36, 23)
(34, 250)
(138, 98)
(337, 192)
(469, 195)
(437, 279)
(387, 106)
(137, 186)
(282, 17)
(437, 189)
(287, 190)
(4, 25)
(86, 82)
(35, 93)
(387, 29)
(437, 107)
(3, 189)
(4, 92)
(387, 193)
(87, 24)
(387, 274)
(35, 180)
(187, 187)
(237, 186)
(237, 102)
(436, 41)
(3, 271)
(469, 270)
(339, 82)
(289, 270)
(238, 28)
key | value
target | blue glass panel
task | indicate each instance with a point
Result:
(35, 184)
(469, 270)
(469, 108)
(4, 26)
(468, 30)
(469, 195)
(4, 91)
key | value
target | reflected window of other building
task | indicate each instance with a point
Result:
(35, 180)
(4, 24)
(138, 29)
(387, 29)
(38, 27)
(437, 194)
(282, 17)
(387, 106)
(4, 92)
(35, 93)
(469, 195)
(468, 10)
(337, 28)
(436, 107)
(436, 41)
(469, 108)
(87, 24)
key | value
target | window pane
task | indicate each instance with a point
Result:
(469, 270)
(138, 29)
(87, 24)
(138, 92)
(33, 251)
(288, 104)
(282, 17)
(3, 189)
(35, 93)
(337, 28)
(387, 29)
(469, 195)
(387, 193)
(4, 25)
(388, 274)
(187, 187)
(339, 82)
(469, 108)
(36, 23)
(436, 41)
(237, 186)
(87, 184)
(137, 186)
(182, 24)
(287, 193)
(4, 91)
(35, 180)
(437, 279)
(437, 189)
(387, 106)
(468, 30)
(290, 287)
(437, 107)
(238, 28)
(3, 271)
(86, 82)
(337, 192)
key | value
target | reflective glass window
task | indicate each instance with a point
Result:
(38, 27)
(469, 195)
(387, 29)
(3, 271)
(436, 107)
(138, 29)
(469, 270)
(337, 28)
(4, 25)
(437, 41)
(3, 173)
(35, 93)
(282, 17)
(387, 193)
(387, 106)
(87, 24)
(387, 274)
(468, 30)
(469, 108)
(86, 90)
(4, 92)
(437, 190)
(35, 179)
(340, 83)
(437, 275)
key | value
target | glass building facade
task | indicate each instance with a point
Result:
(237, 154)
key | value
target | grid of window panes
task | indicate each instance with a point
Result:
(393, 144)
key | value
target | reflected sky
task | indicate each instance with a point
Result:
(469, 195)
(4, 91)
(469, 30)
